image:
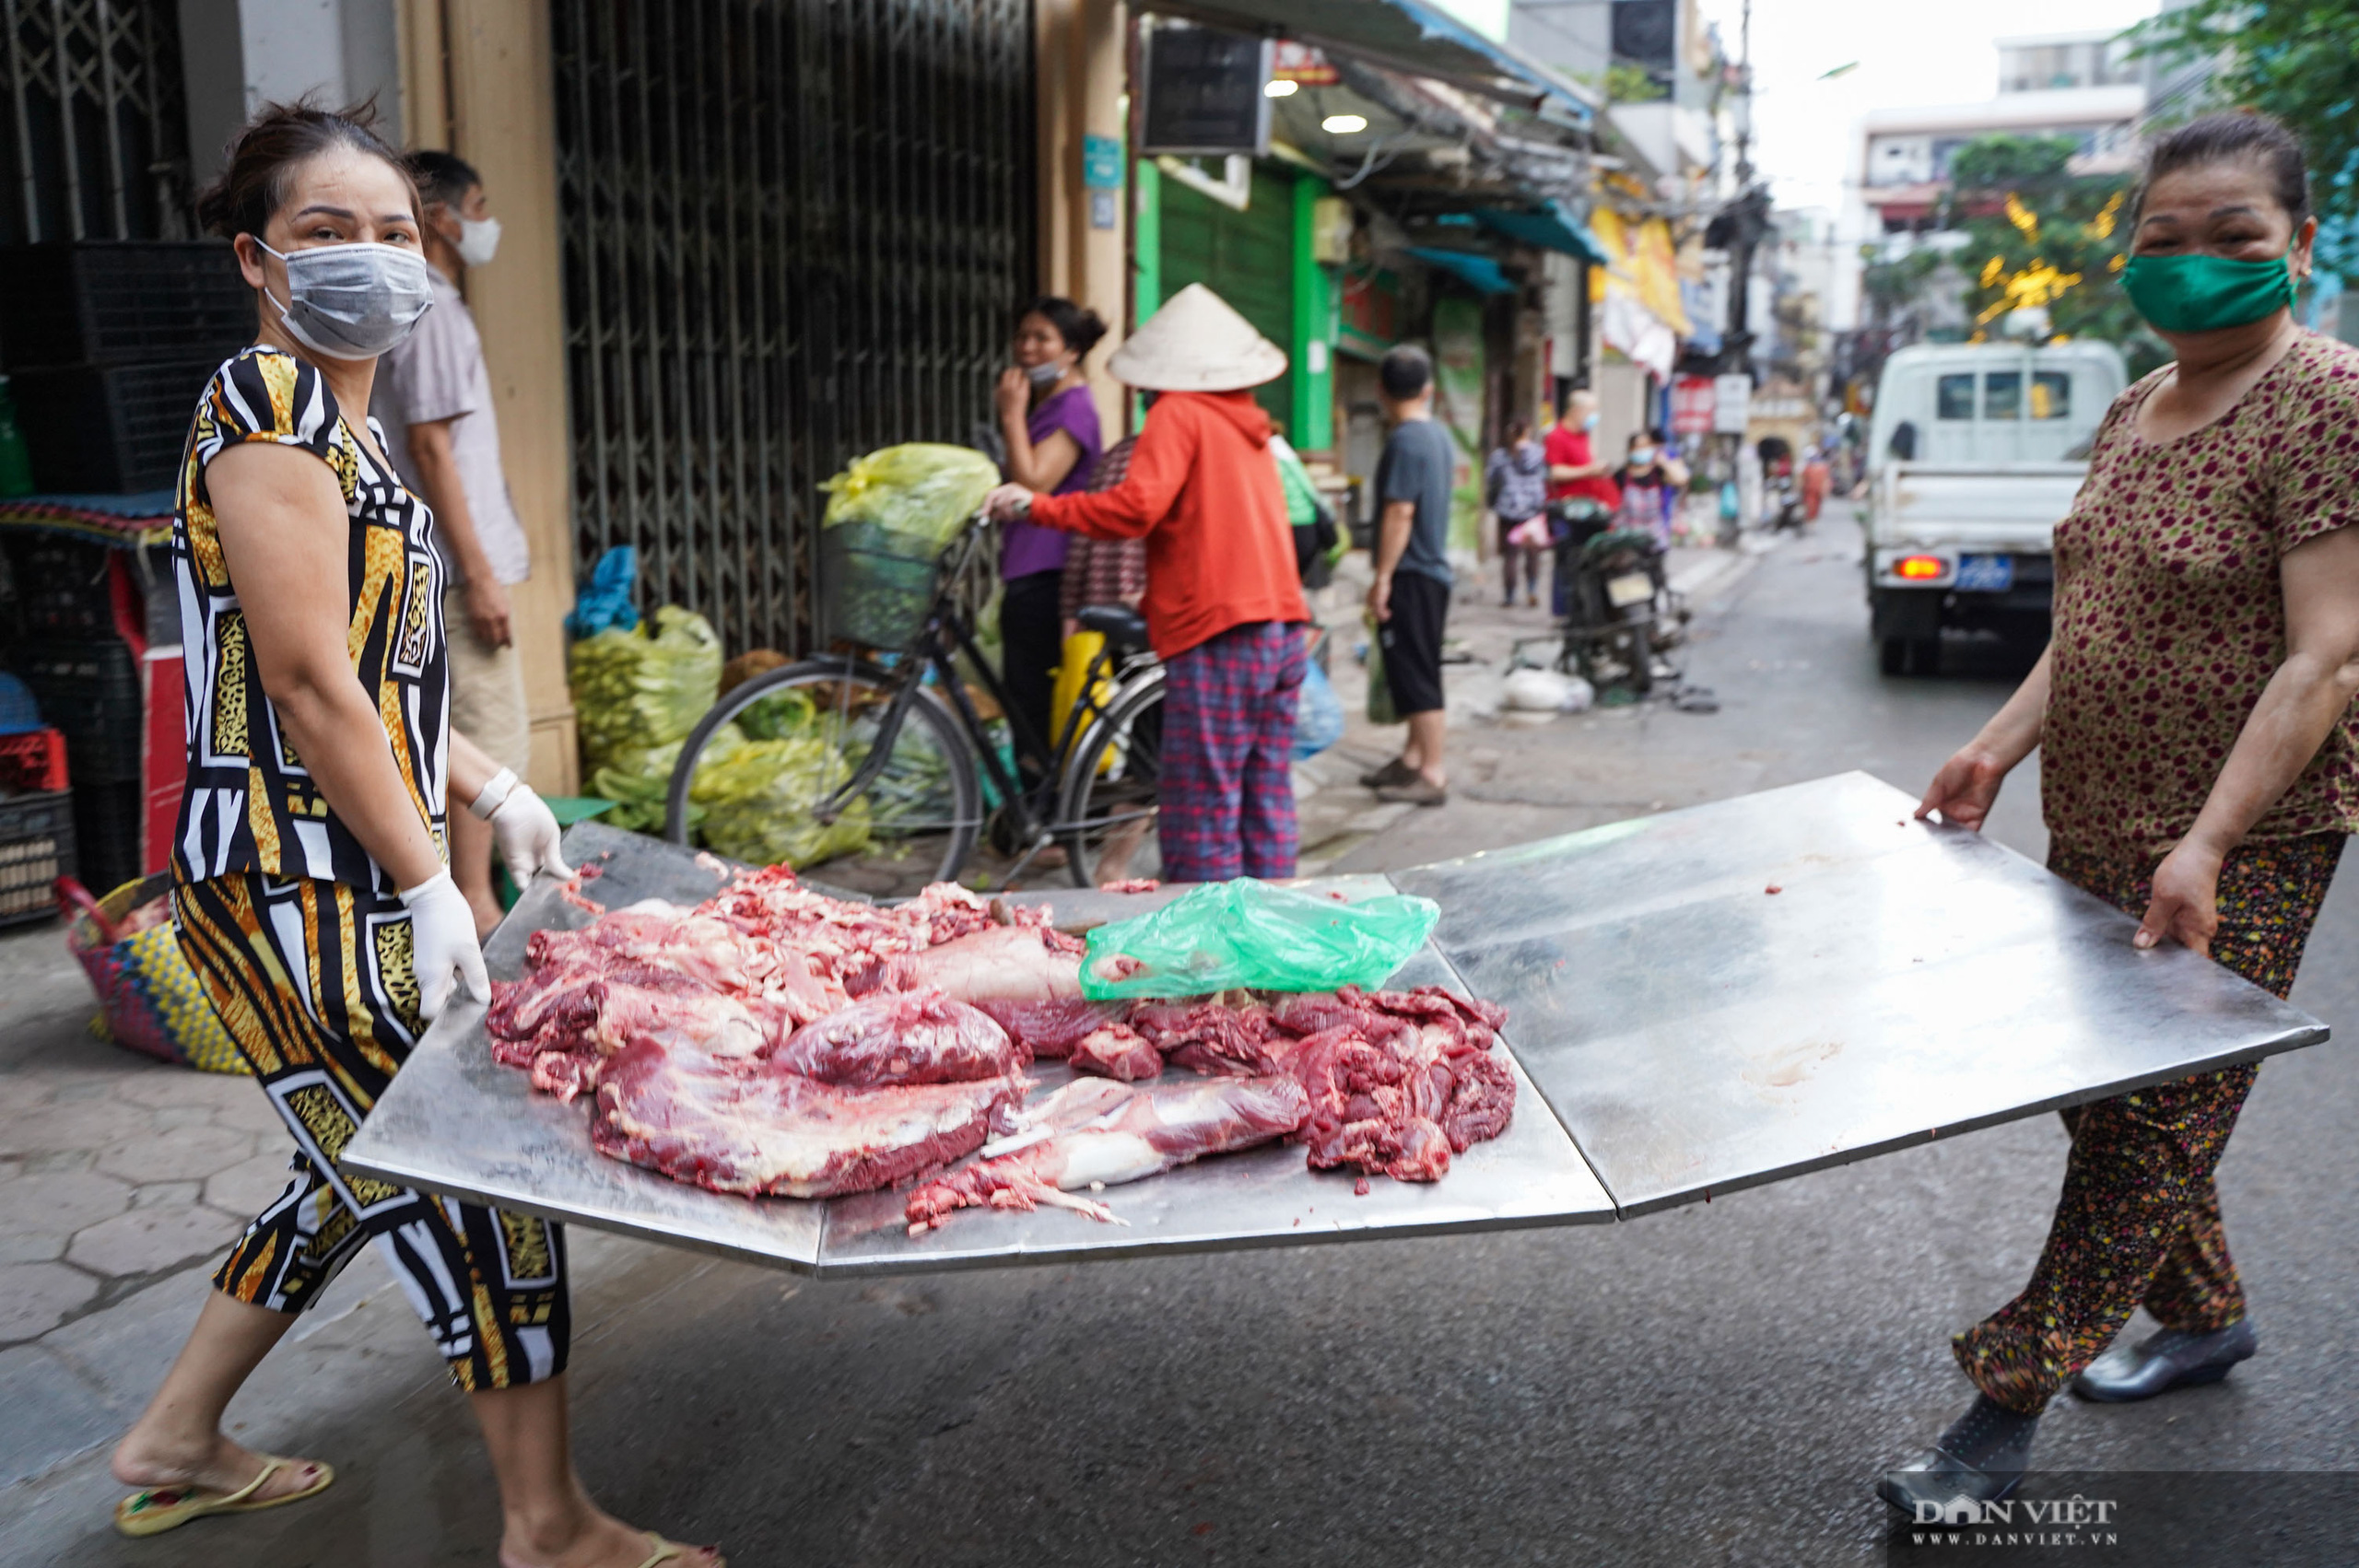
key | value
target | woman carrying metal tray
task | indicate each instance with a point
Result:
(311, 892)
(2200, 764)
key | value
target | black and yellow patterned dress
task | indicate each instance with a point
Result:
(298, 935)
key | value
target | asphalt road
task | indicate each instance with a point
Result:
(1715, 1385)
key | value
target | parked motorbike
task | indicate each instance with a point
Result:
(1621, 616)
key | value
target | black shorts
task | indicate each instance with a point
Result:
(1411, 642)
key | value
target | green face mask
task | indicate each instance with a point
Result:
(2193, 292)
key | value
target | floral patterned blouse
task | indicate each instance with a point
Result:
(2170, 617)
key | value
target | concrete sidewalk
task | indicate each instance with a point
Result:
(123, 1180)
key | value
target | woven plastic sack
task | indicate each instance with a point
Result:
(633, 692)
(149, 1000)
(923, 490)
(1222, 935)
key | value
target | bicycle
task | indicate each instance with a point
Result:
(902, 765)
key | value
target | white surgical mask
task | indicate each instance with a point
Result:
(478, 240)
(1046, 375)
(1588, 422)
(1641, 456)
(352, 301)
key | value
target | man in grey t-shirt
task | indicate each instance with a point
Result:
(433, 395)
(1410, 598)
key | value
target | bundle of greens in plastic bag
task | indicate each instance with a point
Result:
(923, 490)
(633, 693)
(1247, 933)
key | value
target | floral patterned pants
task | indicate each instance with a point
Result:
(2138, 1220)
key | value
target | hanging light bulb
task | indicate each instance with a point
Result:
(1343, 125)
(1278, 86)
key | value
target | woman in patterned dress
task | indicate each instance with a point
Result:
(2200, 764)
(311, 893)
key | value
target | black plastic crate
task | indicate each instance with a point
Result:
(107, 820)
(61, 589)
(94, 428)
(36, 848)
(122, 302)
(90, 692)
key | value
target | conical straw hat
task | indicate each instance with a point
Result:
(1196, 343)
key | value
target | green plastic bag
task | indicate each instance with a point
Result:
(1247, 933)
(756, 801)
(923, 490)
(633, 693)
(1379, 690)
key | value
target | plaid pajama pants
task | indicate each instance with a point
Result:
(2137, 1223)
(1228, 792)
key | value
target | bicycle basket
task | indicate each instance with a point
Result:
(873, 589)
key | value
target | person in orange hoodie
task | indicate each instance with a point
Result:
(1224, 600)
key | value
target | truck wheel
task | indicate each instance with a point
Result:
(1892, 655)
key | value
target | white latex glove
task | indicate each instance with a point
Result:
(525, 831)
(442, 943)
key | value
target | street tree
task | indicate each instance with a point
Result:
(2045, 246)
(2293, 59)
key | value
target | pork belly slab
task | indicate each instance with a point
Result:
(763, 1131)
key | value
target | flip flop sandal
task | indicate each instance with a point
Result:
(160, 1508)
(666, 1552)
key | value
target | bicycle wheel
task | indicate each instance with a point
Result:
(763, 778)
(1113, 777)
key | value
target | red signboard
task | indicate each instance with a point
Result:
(1691, 406)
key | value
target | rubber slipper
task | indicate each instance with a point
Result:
(161, 1508)
(666, 1552)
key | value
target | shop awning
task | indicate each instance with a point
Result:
(1550, 228)
(1414, 37)
(1479, 273)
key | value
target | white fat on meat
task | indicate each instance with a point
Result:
(773, 1133)
(1127, 1134)
(1002, 965)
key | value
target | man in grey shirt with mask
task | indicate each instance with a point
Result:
(433, 396)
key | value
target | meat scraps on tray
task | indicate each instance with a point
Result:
(776, 1042)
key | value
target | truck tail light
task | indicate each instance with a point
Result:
(1920, 569)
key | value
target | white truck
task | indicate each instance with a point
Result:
(1978, 450)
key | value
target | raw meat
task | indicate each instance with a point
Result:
(1211, 1034)
(1050, 1030)
(900, 1037)
(772, 1132)
(1148, 1131)
(1005, 964)
(1117, 1050)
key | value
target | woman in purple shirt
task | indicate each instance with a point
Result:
(1049, 422)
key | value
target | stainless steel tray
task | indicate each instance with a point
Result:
(1697, 1033)
(457, 1122)
(1690, 1031)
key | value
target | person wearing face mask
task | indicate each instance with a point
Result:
(310, 893)
(1049, 422)
(1650, 482)
(2199, 763)
(433, 396)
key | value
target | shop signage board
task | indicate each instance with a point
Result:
(1691, 399)
(1732, 403)
(1204, 90)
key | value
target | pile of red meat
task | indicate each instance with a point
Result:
(775, 1041)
